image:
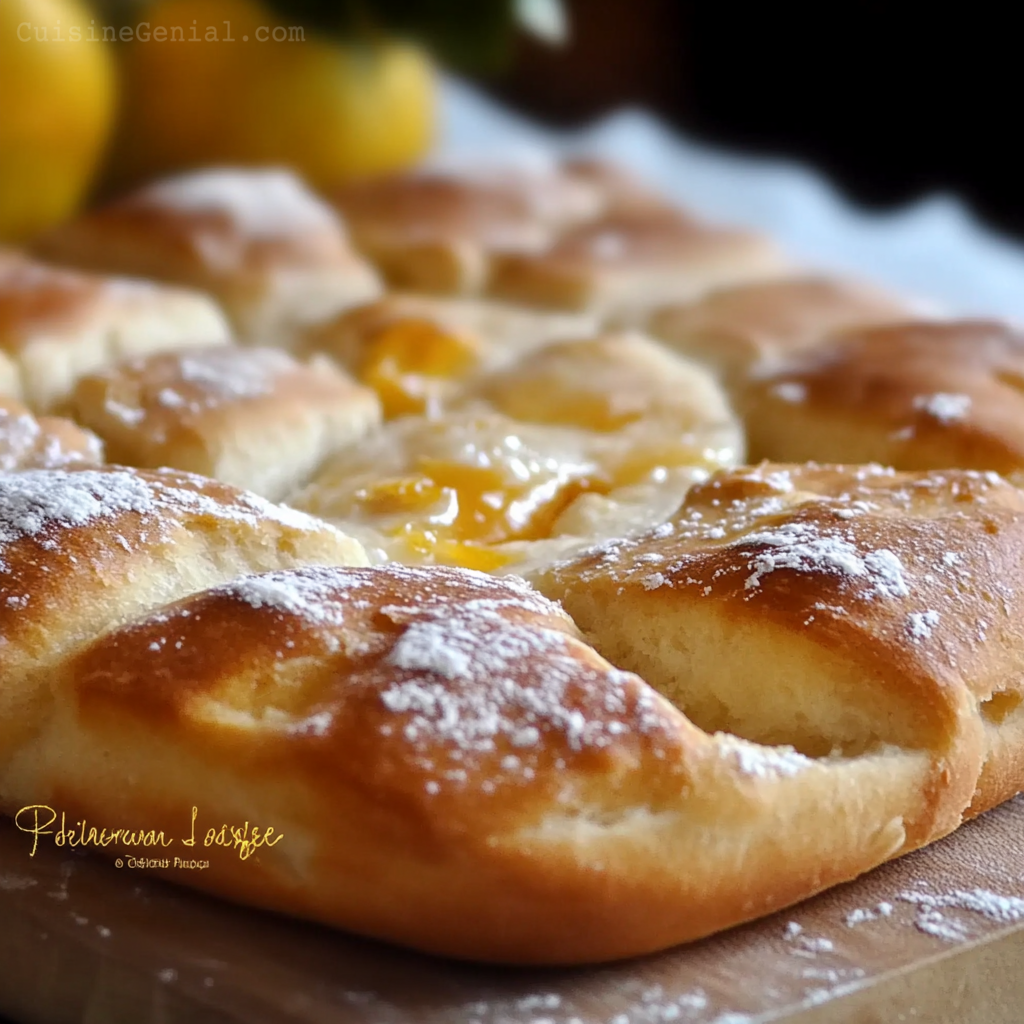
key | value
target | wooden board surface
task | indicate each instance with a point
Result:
(82, 941)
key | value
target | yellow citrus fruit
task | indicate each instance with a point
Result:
(58, 92)
(230, 83)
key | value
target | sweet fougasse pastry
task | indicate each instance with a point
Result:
(744, 328)
(56, 325)
(440, 230)
(914, 395)
(274, 255)
(565, 642)
(256, 418)
(626, 264)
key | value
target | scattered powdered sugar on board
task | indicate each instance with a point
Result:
(945, 407)
(865, 914)
(264, 204)
(803, 945)
(931, 920)
(15, 883)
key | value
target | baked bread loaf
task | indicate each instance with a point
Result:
(56, 325)
(252, 417)
(438, 231)
(916, 395)
(275, 256)
(738, 330)
(84, 550)
(46, 442)
(452, 768)
(681, 694)
(626, 264)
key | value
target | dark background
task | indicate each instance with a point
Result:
(890, 100)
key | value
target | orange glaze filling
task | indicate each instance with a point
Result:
(456, 513)
(410, 364)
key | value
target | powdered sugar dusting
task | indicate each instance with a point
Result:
(263, 204)
(790, 391)
(801, 546)
(25, 443)
(758, 761)
(312, 593)
(35, 501)
(945, 407)
(485, 669)
(478, 693)
(931, 920)
(921, 625)
(229, 372)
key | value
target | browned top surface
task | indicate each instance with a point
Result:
(153, 398)
(913, 571)
(776, 316)
(950, 391)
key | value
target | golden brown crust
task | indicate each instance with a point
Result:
(57, 324)
(48, 442)
(628, 263)
(622, 191)
(450, 767)
(733, 330)
(915, 395)
(436, 231)
(252, 417)
(877, 601)
(274, 255)
(81, 551)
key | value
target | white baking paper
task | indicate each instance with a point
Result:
(933, 249)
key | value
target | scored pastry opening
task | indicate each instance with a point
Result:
(753, 682)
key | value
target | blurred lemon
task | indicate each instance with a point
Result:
(225, 81)
(58, 89)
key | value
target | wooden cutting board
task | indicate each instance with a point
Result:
(937, 936)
